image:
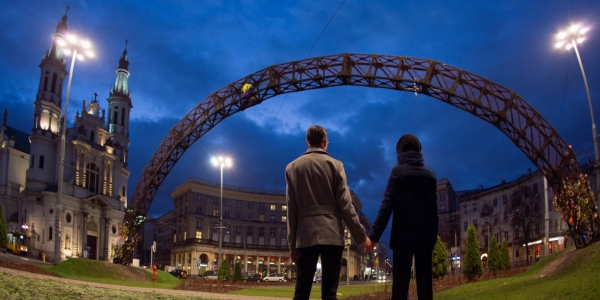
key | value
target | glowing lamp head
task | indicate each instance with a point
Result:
(72, 39)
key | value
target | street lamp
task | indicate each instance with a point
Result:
(78, 49)
(222, 162)
(568, 40)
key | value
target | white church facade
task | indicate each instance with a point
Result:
(94, 185)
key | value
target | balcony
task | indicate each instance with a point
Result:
(230, 244)
(487, 211)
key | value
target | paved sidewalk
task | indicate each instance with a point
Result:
(136, 289)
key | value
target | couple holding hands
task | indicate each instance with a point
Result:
(319, 204)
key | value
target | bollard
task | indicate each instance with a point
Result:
(154, 273)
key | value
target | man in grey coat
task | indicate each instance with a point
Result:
(318, 201)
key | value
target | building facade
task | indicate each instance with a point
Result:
(95, 175)
(492, 212)
(254, 231)
(448, 219)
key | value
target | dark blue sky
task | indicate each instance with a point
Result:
(181, 51)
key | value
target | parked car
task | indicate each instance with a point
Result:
(211, 275)
(254, 277)
(181, 274)
(275, 277)
(318, 279)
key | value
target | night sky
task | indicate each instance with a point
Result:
(181, 51)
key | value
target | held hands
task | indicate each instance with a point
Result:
(369, 245)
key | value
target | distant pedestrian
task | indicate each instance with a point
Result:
(411, 196)
(318, 201)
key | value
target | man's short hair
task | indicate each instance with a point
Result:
(315, 135)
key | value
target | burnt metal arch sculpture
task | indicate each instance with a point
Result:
(485, 99)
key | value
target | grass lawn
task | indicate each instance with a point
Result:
(577, 279)
(344, 290)
(563, 275)
(105, 272)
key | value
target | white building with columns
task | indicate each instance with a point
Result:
(95, 174)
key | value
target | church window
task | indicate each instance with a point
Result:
(50, 234)
(32, 161)
(116, 117)
(123, 191)
(46, 83)
(93, 178)
(53, 86)
(41, 163)
(123, 116)
(92, 133)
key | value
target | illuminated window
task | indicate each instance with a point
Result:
(92, 173)
(215, 212)
(198, 234)
(273, 207)
(283, 219)
(284, 208)
(261, 217)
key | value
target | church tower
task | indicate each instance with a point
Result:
(47, 113)
(119, 107)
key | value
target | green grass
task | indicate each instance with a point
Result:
(577, 280)
(343, 289)
(103, 272)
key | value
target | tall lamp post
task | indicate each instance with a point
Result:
(78, 49)
(222, 162)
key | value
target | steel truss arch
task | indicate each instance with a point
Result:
(489, 101)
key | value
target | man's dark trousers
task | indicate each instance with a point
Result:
(306, 265)
(402, 265)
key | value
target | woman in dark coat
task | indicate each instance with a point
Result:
(411, 196)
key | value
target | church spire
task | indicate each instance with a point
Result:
(121, 84)
(123, 62)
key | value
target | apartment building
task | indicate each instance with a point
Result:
(254, 231)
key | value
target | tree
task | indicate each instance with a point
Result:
(224, 273)
(504, 255)
(494, 260)
(237, 272)
(526, 213)
(439, 259)
(472, 264)
(3, 231)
